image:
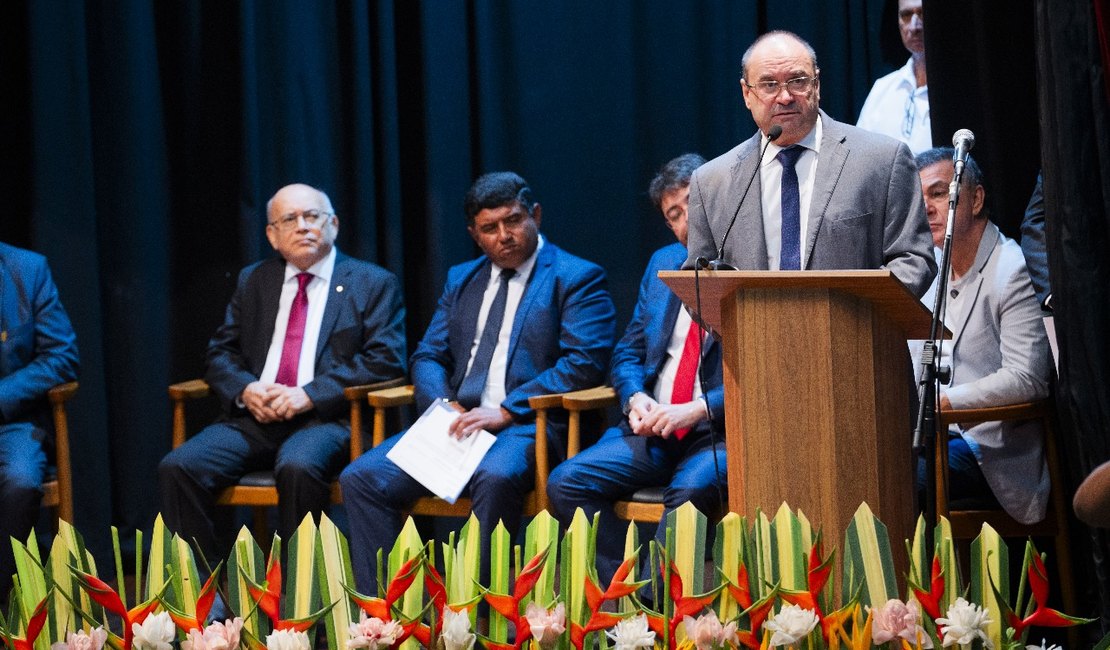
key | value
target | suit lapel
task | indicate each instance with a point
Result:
(339, 275)
(749, 222)
(987, 245)
(830, 162)
(541, 271)
(271, 276)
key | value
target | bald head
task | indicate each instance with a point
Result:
(772, 61)
(301, 224)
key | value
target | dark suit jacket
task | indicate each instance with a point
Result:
(561, 340)
(39, 348)
(362, 335)
(866, 211)
(642, 351)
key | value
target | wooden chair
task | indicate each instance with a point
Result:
(534, 502)
(259, 489)
(967, 523)
(645, 504)
(57, 489)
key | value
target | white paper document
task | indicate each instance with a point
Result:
(435, 458)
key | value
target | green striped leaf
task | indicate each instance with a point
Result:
(728, 552)
(184, 580)
(791, 540)
(333, 569)
(462, 563)
(246, 558)
(577, 559)
(542, 534)
(300, 572)
(868, 561)
(158, 560)
(689, 547)
(990, 562)
(500, 560)
(631, 548)
(408, 545)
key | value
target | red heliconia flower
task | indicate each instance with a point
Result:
(268, 597)
(34, 628)
(509, 606)
(930, 600)
(683, 606)
(106, 597)
(816, 579)
(186, 622)
(595, 598)
(756, 612)
(1041, 615)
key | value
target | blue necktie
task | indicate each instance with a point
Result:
(470, 391)
(790, 255)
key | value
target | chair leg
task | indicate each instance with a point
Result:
(260, 526)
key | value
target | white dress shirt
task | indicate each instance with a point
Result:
(896, 102)
(664, 386)
(494, 392)
(317, 291)
(770, 180)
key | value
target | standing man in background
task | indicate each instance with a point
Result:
(38, 350)
(898, 104)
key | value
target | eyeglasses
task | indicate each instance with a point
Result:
(906, 15)
(770, 88)
(311, 218)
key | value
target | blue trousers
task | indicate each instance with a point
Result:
(305, 454)
(622, 462)
(376, 492)
(22, 466)
(967, 487)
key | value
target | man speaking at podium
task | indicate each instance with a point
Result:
(859, 191)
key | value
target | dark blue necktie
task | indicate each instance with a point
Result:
(790, 255)
(470, 391)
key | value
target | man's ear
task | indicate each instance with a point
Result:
(979, 198)
(272, 235)
(537, 214)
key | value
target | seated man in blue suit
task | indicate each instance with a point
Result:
(524, 319)
(665, 438)
(299, 329)
(38, 350)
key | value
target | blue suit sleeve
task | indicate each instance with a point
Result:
(50, 345)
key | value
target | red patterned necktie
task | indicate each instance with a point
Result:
(294, 334)
(683, 390)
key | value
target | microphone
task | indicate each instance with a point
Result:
(962, 140)
(719, 264)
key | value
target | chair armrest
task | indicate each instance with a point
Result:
(592, 398)
(62, 393)
(388, 397)
(543, 402)
(1022, 411)
(357, 393)
(192, 389)
(354, 395)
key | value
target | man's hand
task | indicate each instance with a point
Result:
(664, 419)
(480, 418)
(290, 401)
(639, 406)
(256, 397)
(274, 402)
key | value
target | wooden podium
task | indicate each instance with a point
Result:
(818, 390)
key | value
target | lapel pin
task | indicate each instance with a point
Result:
(339, 288)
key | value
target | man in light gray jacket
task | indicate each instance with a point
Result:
(998, 353)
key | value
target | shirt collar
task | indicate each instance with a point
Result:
(525, 268)
(811, 141)
(322, 269)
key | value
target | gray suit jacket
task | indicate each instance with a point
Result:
(866, 211)
(999, 355)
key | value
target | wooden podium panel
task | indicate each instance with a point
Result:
(818, 388)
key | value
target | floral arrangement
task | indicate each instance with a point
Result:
(770, 585)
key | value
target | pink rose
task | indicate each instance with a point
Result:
(898, 620)
(546, 626)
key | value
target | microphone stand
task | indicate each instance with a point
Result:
(925, 432)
